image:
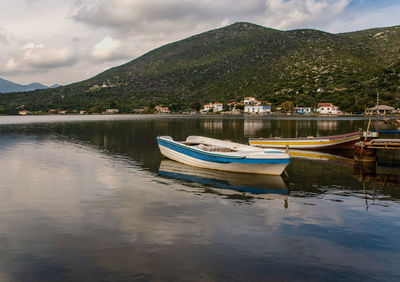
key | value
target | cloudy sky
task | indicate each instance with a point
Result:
(54, 41)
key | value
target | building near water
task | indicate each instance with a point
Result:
(161, 109)
(216, 107)
(327, 109)
(112, 111)
(251, 101)
(257, 109)
(24, 113)
(303, 110)
(381, 110)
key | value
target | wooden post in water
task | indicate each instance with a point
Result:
(362, 154)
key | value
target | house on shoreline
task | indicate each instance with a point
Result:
(24, 113)
(215, 107)
(328, 109)
(112, 111)
(251, 101)
(303, 110)
(161, 109)
(257, 109)
(381, 110)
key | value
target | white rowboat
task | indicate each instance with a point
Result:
(217, 154)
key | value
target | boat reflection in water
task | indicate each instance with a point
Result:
(231, 184)
(341, 158)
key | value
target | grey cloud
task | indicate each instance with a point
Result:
(29, 60)
(121, 15)
(161, 21)
(172, 18)
(55, 63)
(3, 37)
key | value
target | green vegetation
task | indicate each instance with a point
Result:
(287, 107)
(223, 65)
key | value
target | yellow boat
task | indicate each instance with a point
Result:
(344, 141)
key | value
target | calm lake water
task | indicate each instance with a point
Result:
(91, 199)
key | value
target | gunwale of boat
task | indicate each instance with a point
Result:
(344, 142)
(310, 138)
(236, 151)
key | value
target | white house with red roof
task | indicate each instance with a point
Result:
(161, 109)
(216, 107)
(24, 113)
(251, 101)
(327, 109)
(208, 107)
(165, 110)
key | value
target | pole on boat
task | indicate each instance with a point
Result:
(369, 124)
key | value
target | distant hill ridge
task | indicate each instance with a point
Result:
(7, 86)
(303, 66)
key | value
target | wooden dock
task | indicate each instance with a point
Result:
(383, 144)
(365, 151)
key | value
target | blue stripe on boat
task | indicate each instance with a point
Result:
(215, 158)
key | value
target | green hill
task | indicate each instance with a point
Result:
(240, 60)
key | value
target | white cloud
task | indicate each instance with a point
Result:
(106, 48)
(32, 45)
(11, 64)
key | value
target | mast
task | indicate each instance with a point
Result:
(377, 98)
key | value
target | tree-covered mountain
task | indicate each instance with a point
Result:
(7, 86)
(303, 66)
